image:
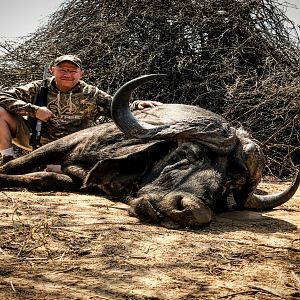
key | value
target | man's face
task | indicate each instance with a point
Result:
(66, 75)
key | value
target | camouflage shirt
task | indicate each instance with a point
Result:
(74, 110)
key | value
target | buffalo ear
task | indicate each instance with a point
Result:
(117, 176)
(121, 176)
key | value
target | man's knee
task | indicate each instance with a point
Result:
(7, 120)
(3, 112)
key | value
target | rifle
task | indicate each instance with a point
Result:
(35, 139)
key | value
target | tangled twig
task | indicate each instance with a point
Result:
(237, 58)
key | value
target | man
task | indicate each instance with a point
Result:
(72, 105)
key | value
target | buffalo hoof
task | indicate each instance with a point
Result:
(142, 209)
(175, 210)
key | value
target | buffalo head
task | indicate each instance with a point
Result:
(213, 166)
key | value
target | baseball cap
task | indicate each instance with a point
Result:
(71, 58)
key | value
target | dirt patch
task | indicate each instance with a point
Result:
(75, 246)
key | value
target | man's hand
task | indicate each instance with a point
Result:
(43, 114)
(144, 104)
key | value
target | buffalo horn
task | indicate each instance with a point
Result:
(267, 202)
(122, 115)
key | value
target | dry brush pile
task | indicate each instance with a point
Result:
(239, 58)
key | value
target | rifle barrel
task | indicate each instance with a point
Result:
(35, 140)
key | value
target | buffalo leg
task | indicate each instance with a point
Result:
(39, 181)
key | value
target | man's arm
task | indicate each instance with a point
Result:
(19, 99)
(141, 104)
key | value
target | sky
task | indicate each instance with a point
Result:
(22, 17)
(293, 13)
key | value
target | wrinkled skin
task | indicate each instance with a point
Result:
(186, 191)
(177, 177)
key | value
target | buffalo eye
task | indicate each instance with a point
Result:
(194, 153)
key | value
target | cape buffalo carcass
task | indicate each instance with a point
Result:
(173, 164)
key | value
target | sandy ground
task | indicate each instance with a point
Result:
(76, 246)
